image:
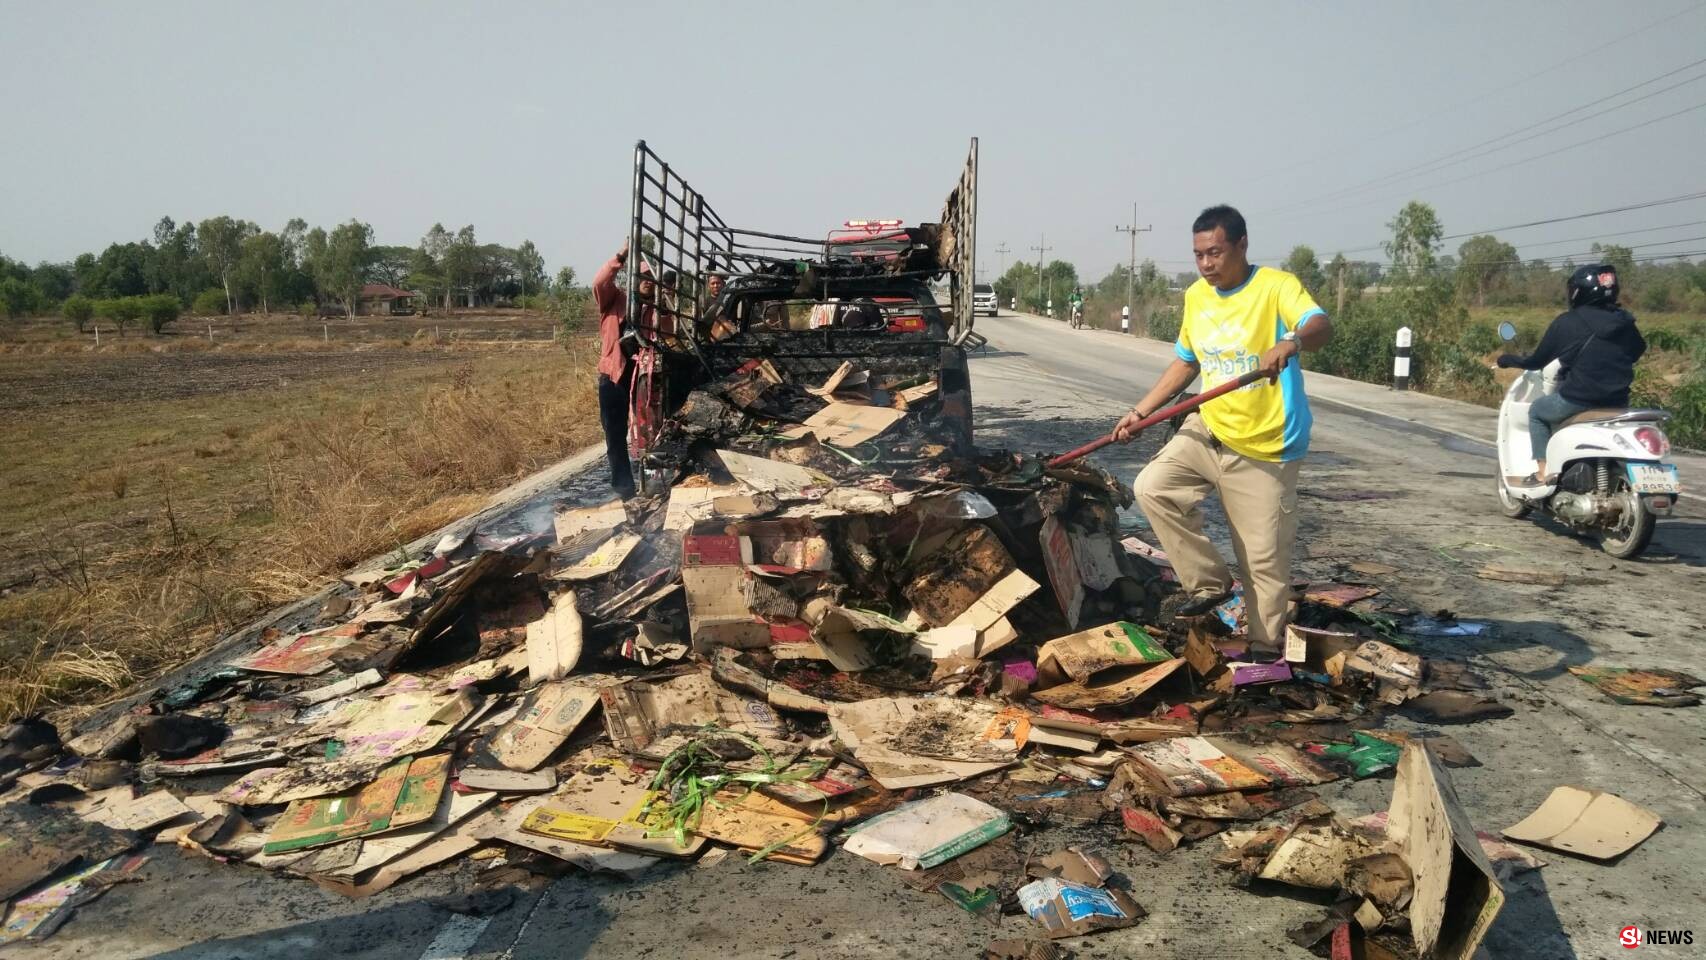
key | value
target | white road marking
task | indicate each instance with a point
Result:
(456, 938)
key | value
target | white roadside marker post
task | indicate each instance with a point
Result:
(1401, 360)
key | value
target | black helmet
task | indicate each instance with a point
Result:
(1594, 284)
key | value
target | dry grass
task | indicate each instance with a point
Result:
(172, 535)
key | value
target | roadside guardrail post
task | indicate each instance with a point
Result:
(1401, 360)
(1125, 319)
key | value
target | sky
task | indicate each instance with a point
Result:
(1318, 120)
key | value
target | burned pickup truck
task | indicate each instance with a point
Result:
(852, 317)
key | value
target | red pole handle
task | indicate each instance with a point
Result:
(1165, 413)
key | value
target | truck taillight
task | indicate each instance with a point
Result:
(1653, 439)
(871, 226)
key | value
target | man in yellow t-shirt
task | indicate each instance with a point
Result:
(1247, 445)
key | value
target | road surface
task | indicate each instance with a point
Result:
(1042, 387)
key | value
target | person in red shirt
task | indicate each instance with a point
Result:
(615, 371)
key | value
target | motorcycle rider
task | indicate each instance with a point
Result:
(1597, 341)
(1077, 302)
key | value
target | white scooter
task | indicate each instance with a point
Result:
(1611, 481)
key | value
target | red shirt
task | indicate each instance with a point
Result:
(612, 306)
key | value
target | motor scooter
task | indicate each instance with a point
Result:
(1611, 479)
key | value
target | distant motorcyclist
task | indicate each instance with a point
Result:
(1598, 344)
(1077, 306)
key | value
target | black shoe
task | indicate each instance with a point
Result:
(1202, 606)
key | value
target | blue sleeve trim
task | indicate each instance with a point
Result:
(1312, 314)
(1184, 353)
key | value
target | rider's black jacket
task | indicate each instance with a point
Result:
(1599, 347)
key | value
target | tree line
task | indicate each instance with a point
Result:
(225, 265)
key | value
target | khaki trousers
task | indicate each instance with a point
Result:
(1260, 498)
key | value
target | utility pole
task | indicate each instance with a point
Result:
(1003, 251)
(1131, 277)
(1042, 248)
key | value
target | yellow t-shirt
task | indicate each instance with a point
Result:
(1226, 332)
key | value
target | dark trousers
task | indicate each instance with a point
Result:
(613, 414)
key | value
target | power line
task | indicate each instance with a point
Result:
(1517, 163)
(1453, 108)
(1620, 233)
(1446, 160)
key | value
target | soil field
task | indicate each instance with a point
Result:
(52, 380)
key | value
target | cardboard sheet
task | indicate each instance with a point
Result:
(848, 424)
(1081, 655)
(754, 821)
(342, 688)
(591, 803)
(691, 505)
(381, 728)
(1189, 766)
(303, 654)
(141, 813)
(1588, 823)
(548, 715)
(1062, 569)
(406, 793)
(554, 641)
(572, 523)
(910, 742)
(605, 559)
(1109, 688)
(1457, 894)
(763, 475)
(635, 713)
(924, 833)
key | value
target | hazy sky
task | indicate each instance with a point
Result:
(520, 118)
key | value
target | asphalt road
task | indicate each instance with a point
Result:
(1042, 387)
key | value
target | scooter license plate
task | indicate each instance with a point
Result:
(1653, 478)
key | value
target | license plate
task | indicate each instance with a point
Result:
(1653, 478)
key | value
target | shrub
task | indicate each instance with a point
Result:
(19, 297)
(159, 310)
(209, 303)
(1163, 323)
(79, 310)
(1481, 339)
(122, 311)
(1660, 338)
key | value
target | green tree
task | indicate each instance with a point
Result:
(262, 266)
(55, 280)
(1621, 258)
(435, 245)
(209, 303)
(1484, 264)
(159, 310)
(221, 240)
(79, 310)
(391, 265)
(122, 311)
(1302, 263)
(565, 280)
(313, 262)
(19, 297)
(460, 263)
(344, 270)
(530, 268)
(1414, 247)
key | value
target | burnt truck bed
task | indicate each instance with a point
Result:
(805, 306)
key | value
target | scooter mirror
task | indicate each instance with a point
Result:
(1507, 331)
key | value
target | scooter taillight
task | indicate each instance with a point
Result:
(1653, 439)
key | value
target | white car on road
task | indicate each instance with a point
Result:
(983, 299)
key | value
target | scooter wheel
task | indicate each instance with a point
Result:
(1511, 505)
(1634, 530)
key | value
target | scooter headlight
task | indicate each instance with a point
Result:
(1653, 439)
